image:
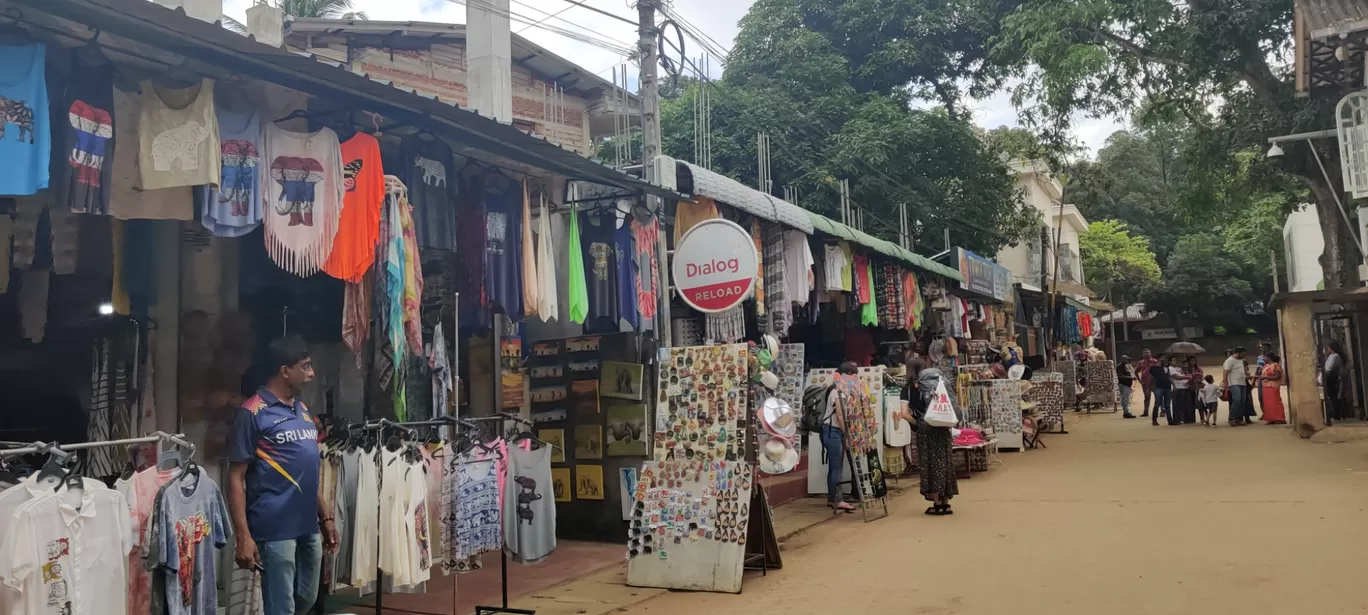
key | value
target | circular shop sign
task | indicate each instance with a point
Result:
(715, 265)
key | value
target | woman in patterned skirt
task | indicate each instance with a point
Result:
(934, 461)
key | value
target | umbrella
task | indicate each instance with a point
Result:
(1184, 348)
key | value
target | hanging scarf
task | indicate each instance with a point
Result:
(442, 383)
(912, 297)
(392, 238)
(780, 308)
(413, 278)
(759, 268)
(548, 305)
(579, 292)
(531, 307)
(647, 238)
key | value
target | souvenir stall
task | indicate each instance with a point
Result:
(1047, 392)
(235, 192)
(1000, 402)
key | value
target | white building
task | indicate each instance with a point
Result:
(1062, 224)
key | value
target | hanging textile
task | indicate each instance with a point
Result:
(913, 300)
(888, 292)
(442, 383)
(99, 461)
(27, 153)
(759, 293)
(233, 208)
(413, 280)
(358, 228)
(797, 263)
(356, 313)
(425, 166)
(530, 282)
(548, 303)
(303, 197)
(869, 314)
(127, 199)
(503, 266)
(600, 265)
(390, 285)
(84, 181)
(646, 238)
(625, 274)
(687, 215)
(178, 135)
(780, 308)
(529, 505)
(725, 327)
(847, 264)
(579, 294)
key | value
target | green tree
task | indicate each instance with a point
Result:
(325, 9)
(1203, 283)
(1118, 263)
(833, 83)
(1176, 59)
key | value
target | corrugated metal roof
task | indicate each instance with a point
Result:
(727, 190)
(886, 248)
(1327, 18)
(173, 30)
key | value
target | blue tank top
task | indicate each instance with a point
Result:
(25, 135)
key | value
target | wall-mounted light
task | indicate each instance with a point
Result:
(106, 309)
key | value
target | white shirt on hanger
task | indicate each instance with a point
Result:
(68, 555)
(834, 260)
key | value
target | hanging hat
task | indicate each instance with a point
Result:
(770, 381)
(772, 344)
(777, 417)
(777, 456)
(1015, 372)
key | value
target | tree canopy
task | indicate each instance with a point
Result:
(870, 91)
(1116, 262)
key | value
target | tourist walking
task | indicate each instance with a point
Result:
(1181, 404)
(1125, 382)
(1163, 388)
(1209, 397)
(1142, 368)
(1334, 377)
(1235, 379)
(1270, 381)
(934, 455)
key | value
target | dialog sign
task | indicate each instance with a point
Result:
(715, 265)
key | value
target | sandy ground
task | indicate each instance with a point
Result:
(1115, 517)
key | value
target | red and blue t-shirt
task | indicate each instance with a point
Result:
(279, 442)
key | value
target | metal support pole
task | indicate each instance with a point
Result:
(650, 148)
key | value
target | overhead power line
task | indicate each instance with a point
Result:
(605, 42)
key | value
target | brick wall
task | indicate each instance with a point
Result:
(441, 71)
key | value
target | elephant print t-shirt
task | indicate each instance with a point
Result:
(84, 178)
(302, 190)
(233, 208)
(25, 138)
(179, 136)
(127, 201)
(529, 506)
(425, 167)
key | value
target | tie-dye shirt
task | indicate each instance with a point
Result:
(279, 442)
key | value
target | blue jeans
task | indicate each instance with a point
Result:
(289, 581)
(1163, 403)
(835, 454)
(1239, 396)
(1124, 392)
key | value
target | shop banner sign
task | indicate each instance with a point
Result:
(1002, 284)
(715, 265)
(1167, 333)
(978, 273)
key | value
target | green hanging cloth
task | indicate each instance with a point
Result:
(869, 314)
(579, 292)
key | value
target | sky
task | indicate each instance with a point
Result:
(717, 18)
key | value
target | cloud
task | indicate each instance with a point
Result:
(718, 18)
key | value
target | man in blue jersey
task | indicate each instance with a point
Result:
(273, 488)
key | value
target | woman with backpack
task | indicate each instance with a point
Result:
(935, 463)
(833, 430)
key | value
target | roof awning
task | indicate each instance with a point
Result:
(886, 248)
(754, 202)
(172, 30)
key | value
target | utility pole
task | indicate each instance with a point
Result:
(650, 148)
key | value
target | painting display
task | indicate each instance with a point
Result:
(551, 393)
(560, 484)
(588, 442)
(556, 438)
(582, 344)
(510, 372)
(621, 380)
(589, 482)
(627, 431)
(627, 482)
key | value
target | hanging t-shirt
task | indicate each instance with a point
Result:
(178, 136)
(473, 515)
(646, 238)
(364, 557)
(503, 244)
(578, 294)
(688, 215)
(141, 493)
(626, 276)
(302, 188)
(127, 201)
(600, 268)
(847, 267)
(25, 136)
(61, 567)
(861, 279)
(797, 266)
(191, 527)
(416, 523)
(233, 208)
(425, 166)
(834, 259)
(549, 303)
(358, 228)
(529, 509)
(87, 173)
(394, 552)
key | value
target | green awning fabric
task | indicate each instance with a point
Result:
(887, 248)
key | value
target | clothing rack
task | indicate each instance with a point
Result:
(46, 447)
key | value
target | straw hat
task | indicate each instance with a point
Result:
(777, 456)
(777, 417)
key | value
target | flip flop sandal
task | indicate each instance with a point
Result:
(934, 511)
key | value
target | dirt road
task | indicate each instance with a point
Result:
(1116, 517)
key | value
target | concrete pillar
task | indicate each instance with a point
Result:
(165, 312)
(203, 10)
(489, 59)
(266, 23)
(1305, 412)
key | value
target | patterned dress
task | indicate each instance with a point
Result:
(935, 461)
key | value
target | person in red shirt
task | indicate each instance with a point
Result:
(1142, 367)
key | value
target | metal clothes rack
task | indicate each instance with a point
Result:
(47, 447)
(503, 553)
